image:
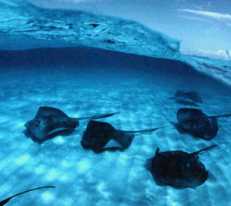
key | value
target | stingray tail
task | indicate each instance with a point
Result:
(204, 149)
(98, 116)
(3, 202)
(144, 131)
(221, 115)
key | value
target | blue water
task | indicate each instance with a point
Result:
(98, 81)
(135, 74)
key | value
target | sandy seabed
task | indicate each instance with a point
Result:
(120, 178)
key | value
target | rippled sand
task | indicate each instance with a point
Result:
(120, 178)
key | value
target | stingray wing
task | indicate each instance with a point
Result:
(50, 111)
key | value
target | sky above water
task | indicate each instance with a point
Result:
(202, 26)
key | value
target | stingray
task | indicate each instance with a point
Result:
(102, 136)
(178, 169)
(198, 124)
(50, 122)
(190, 98)
(5, 201)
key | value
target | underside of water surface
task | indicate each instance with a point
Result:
(100, 66)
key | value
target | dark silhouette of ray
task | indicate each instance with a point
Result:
(98, 134)
(50, 122)
(198, 124)
(178, 169)
(190, 98)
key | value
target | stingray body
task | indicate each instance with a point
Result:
(5, 201)
(196, 123)
(50, 122)
(178, 169)
(98, 135)
(190, 98)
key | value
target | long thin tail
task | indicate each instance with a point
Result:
(143, 131)
(204, 149)
(98, 116)
(3, 202)
(221, 115)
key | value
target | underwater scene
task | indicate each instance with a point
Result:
(100, 106)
